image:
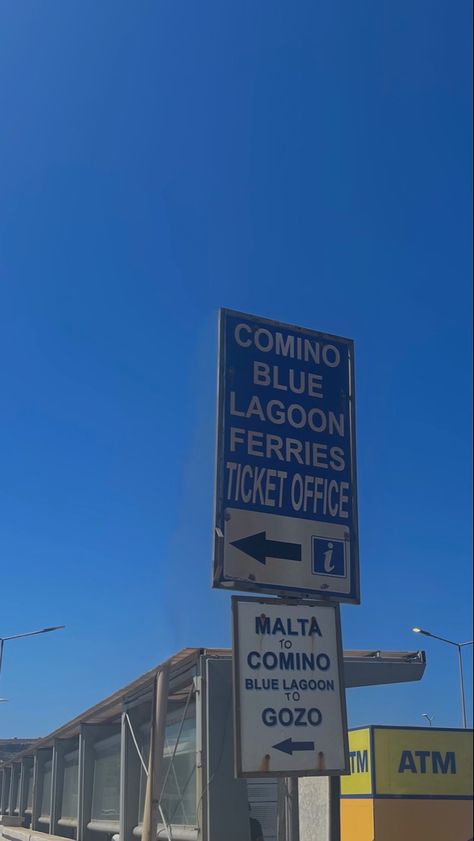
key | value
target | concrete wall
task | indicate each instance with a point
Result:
(314, 808)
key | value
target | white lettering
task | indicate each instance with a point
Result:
(261, 373)
(238, 338)
(233, 408)
(263, 346)
(236, 437)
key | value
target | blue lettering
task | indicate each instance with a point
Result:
(446, 765)
(278, 627)
(407, 763)
(300, 713)
(253, 659)
(314, 717)
(303, 623)
(291, 661)
(322, 661)
(314, 628)
(265, 625)
(286, 661)
(262, 624)
(291, 633)
(422, 754)
(270, 660)
(362, 761)
(269, 717)
(285, 717)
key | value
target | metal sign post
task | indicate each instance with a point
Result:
(286, 524)
(286, 505)
(293, 811)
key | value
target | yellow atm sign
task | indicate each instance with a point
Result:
(423, 762)
(409, 762)
(359, 781)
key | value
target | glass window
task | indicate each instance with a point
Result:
(69, 802)
(145, 752)
(6, 789)
(16, 805)
(106, 788)
(263, 802)
(46, 790)
(29, 788)
(178, 801)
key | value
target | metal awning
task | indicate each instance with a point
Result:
(373, 668)
(361, 668)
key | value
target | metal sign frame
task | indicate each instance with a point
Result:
(236, 600)
(223, 580)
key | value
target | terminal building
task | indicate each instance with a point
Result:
(10, 747)
(94, 779)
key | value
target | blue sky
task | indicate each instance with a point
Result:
(308, 162)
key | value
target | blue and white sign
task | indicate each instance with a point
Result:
(286, 502)
(289, 698)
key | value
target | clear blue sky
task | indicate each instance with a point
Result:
(308, 162)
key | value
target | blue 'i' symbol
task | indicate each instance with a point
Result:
(328, 557)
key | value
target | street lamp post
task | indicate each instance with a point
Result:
(3, 640)
(459, 646)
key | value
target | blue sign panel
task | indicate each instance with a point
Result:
(286, 508)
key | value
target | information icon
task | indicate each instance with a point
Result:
(329, 557)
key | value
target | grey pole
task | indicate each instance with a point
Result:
(288, 809)
(151, 810)
(335, 808)
(461, 677)
(459, 646)
(282, 792)
(292, 810)
(1, 661)
(3, 640)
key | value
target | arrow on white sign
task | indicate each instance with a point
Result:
(289, 746)
(258, 547)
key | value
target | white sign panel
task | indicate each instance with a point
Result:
(289, 697)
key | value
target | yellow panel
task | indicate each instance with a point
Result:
(422, 820)
(359, 780)
(423, 762)
(357, 819)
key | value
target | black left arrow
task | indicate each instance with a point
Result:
(258, 547)
(289, 746)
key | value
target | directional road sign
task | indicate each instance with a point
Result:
(289, 699)
(286, 507)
